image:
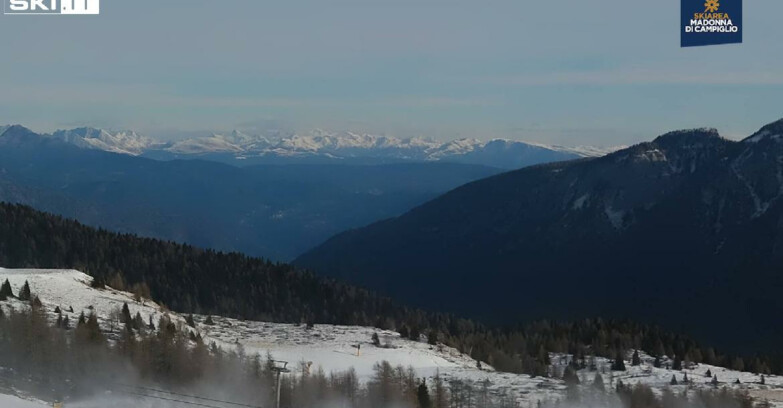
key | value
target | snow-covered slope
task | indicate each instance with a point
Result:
(123, 142)
(10, 401)
(332, 347)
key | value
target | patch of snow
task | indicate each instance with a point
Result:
(10, 401)
(580, 202)
(615, 216)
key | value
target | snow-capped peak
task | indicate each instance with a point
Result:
(321, 144)
(772, 131)
(124, 142)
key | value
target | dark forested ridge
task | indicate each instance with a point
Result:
(684, 231)
(189, 279)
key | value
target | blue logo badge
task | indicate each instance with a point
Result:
(710, 22)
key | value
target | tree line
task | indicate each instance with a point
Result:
(194, 280)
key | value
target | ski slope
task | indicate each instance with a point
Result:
(332, 348)
(10, 401)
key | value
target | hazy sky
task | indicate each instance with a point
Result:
(569, 72)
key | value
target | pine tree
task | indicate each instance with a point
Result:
(677, 365)
(685, 379)
(763, 380)
(423, 396)
(415, 334)
(404, 332)
(618, 364)
(190, 321)
(24, 293)
(708, 373)
(138, 322)
(209, 321)
(636, 360)
(598, 382)
(432, 337)
(657, 362)
(570, 377)
(5, 290)
(715, 380)
(673, 380)
(376, 341)
(125, 317)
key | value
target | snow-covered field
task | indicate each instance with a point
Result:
(332, 348)
(10, 401)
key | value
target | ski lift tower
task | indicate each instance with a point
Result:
(280, 368)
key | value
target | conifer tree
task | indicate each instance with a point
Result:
(190, 321)
(125, 317)
(677, 365)
(209, 321)
(138, 322)
(673, 380)
(376, 341)
(657, 362)
(635, 360)
(598, 382)
(24, 293)
(618, 364)
(715, 379)
(432, 337)
(423, 395)
(415, 334)
(708, 373)
(570, 377)
(5, 290)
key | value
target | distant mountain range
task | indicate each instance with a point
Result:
(686, 230)
(265, 210)
(323, 147)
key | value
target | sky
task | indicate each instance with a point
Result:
(561, 71)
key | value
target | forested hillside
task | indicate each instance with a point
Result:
(189, 279)
(683, 231)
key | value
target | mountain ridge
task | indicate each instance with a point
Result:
(272, 210)
(688, 207)
(322, 146)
